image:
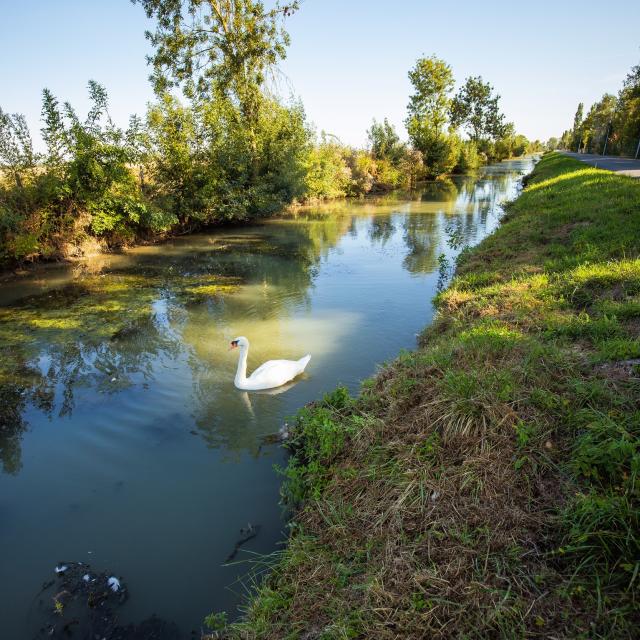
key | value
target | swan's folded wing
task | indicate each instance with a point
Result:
(272, 366)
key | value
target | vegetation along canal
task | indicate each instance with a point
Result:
(124, 442)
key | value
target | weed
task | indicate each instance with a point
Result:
(216, 622)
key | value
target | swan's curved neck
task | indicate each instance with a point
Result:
(241, 373)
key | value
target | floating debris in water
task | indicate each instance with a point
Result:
(246, 534)
(275, 438)
(82, 603)
(114, 584)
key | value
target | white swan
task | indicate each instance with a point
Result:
(273, 373)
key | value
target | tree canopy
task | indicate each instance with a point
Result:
(432, 80)
(215, 46)
(612, 123)
(385, 142)
(475, 107)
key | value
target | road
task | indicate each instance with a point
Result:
(626, 166)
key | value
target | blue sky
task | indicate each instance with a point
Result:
(348, 59)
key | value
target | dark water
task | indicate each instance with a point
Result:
(123, 441)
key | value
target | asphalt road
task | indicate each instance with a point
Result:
(626, 166)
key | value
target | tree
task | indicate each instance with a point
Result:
(505, 146)
(552, 144)
(53, 132)
(328, 175)
(565, 140)
(220, 52)
(432, 80)
(627, 118)
(577, 127)
(597, 124)
(385, 142)
(511, 144)
(220, 49)
(613, 121)
(210, 46)
(173, 132)
(476, 108)
(428, 110)
(469, 158)
(16, 149)
(412, 167)
(138, 145)
(206, 169)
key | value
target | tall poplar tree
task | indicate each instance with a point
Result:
(577, 127)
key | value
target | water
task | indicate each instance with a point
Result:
(123, 442)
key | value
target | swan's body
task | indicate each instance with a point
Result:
(271, 374)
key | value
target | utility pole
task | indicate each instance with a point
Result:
(606, 139)
(637, 149)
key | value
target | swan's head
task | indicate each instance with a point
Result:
(241, 342)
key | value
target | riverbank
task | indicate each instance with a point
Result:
(89, 253)
(485, 485)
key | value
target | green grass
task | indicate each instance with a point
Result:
(485, 485)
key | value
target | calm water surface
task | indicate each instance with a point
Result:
(123, 442)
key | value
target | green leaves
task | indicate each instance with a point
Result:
(612, 123)
(209, 167)
(85, 170)
(17, 157)
(432, 80)
(476, 108)
(219, 47)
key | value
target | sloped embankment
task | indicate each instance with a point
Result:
(486, 484)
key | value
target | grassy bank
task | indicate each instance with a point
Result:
(486, 484)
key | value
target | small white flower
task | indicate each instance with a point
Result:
(61, 568)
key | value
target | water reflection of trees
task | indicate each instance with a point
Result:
(381, 229)
(12, 427)
(106, 333)
(50, 349)
(422, 237)
(444, 191)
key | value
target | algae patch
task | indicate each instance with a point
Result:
(102, 331)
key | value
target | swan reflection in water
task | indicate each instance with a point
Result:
(246, 397)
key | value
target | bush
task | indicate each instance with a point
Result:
(468, 158)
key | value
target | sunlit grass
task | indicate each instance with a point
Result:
(485, 485)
